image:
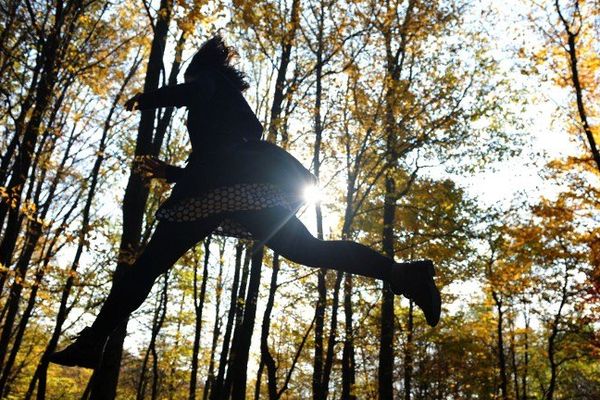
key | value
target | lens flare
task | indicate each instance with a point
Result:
(312, 194)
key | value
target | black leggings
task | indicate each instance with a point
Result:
(275, 227)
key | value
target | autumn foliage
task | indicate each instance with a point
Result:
(419, 118)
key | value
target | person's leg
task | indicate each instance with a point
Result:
(286, 235)
(169, 242)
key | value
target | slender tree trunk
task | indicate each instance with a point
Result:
(353, 164)
(142, 380)
(210, 379)
(280, 82)
(408, 354)
(34, 231)
(348, 363)
(501, 353)
(319, 391)
(319, 319)
(240, 312)
(4, 390)
(243, 336)
(261, 367)
(7, 157)
(198, 308)
(572, 50)
(526, 360)
(20, 124)
(157, 321)
(386, 348)
(218, 386)
(165, 119)
(107, 376)
(286, 382)
(233, 367)
(266, 358)
(155, 331)
(554, 330)
(394, 66)
(330, 355)
(513, 358)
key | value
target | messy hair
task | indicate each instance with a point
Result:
(214, 52)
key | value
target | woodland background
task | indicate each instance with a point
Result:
(464, 132)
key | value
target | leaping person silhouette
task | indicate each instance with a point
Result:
(239, 185)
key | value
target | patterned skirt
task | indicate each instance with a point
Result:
(252, 176)
(227, 199)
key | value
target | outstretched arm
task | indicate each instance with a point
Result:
(184, 94)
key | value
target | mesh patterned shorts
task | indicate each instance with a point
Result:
(225, 199)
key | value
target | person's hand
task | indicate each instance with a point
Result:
(150, 167)
(130, 104)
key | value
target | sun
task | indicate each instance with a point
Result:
(312, 194)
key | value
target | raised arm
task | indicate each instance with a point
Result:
(200, 89)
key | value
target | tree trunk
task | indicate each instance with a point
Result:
(348, 363)
(284, 61)
(513, 358)
(266, 358)
(501, 354)
(330, 355)
(240, 301)
(165, 119)
(157, 321)
(319, 391)
(105, 381)
(164, 301)
(572, 51)
(243, 336)
(554, 330)
(526, 359)
(386, 340)
(354, 163)
(198, 308)
(394, 66)
(408, 353)
(210, 379)
(223, 361)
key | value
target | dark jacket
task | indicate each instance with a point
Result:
(225, 138)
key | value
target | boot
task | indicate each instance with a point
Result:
(85, 352)
(414, 280)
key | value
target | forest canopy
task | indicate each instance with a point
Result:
(457, 131)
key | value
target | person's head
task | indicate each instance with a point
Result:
(215, 53)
